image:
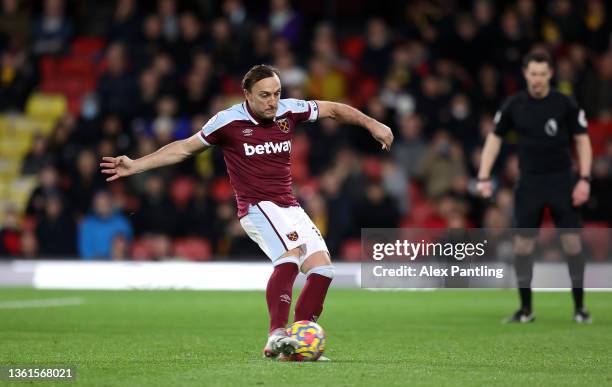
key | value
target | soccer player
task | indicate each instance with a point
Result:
(255, 137)
(547, 123)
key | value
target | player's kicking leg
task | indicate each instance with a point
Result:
(278, 298)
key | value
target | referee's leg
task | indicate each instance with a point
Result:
(568, 220)
(528, 211)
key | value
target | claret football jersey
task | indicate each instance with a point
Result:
(257, 152)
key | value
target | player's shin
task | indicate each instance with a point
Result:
(278, 294)
(310, 303)
(524, 273)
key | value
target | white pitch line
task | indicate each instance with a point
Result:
(43, 303)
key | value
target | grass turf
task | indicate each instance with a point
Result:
(166, 338)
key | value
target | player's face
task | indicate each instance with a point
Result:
(538, 75)
(264, 96)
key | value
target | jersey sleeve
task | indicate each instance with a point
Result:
(503, 119)
(576, 119)
(210, 133)
(301, 110)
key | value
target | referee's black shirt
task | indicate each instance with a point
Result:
(545, 130)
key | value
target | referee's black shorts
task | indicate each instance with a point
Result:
(533, 193)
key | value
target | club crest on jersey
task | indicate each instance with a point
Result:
(551, 127)
(283, 125)
(293, 236)
(247, 132)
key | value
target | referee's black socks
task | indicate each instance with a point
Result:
(523, 266)
(576, 264)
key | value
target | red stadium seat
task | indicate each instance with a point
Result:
(221, 189)
(353, 48)
(599, 132)
(194, 249)
(140, 250)
(181, 190)
(87, 46)
(372, 168)
(76, 66)
(351, 250)
(48, 66)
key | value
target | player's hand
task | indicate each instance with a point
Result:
(117, 167)
(382, 133)
(581, 193)
(485, 188)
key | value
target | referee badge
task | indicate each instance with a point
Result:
(283, 125)
(551, 127)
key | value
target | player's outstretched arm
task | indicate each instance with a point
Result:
(487, 159)
(173, 153)
(349, 115)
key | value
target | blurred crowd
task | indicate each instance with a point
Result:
(434, 71)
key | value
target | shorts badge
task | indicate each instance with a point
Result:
(293, 236)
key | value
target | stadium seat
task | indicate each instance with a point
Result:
(9, 168)
(221, 189)
(46, 106)
(76, 66)
(87, 46)
(351, 250)
(140, 250)
(16, 148)
(372, 168)
(353, 48)
(194, 249)
(181, 190)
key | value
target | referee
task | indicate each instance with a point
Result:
(547, 123)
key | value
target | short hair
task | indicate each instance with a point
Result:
(539, 57)
(257, 73)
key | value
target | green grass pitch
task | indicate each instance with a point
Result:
(184, 338)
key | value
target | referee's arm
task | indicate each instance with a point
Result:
(584, 152)
(487, 159)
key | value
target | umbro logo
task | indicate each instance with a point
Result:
(285, 298)
(247, 132)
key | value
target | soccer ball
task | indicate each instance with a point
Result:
(311, 337)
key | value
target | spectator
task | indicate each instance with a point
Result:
(168, 12)
(51, 33)
(191, 39)
(377, 209)
(56, 231)
(443, 161)
(117, 88)
(599, 87)
(377, 55)
(157, 214)
(409, 149)
(10, 234)
(28, 245)
(284, 21)
(86, 181)
(126, 23)
(17, 79)
(98, 229)
(49, 186)
(14, 25)
(37, 158)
